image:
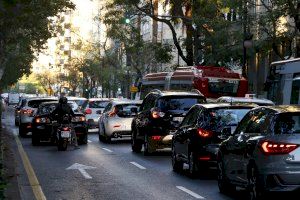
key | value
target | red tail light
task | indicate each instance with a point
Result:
(155, 114)
(156, 137)
(204, 133)
(113, 112)
(88, 111)
(272, 148)
(27, 111)
(204, 158)
(65, 129)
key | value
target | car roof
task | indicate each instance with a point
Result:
(283, 108)
(55, 102)
(122, 101)
(246, 100)
(76, 98)
(99, 99)
(226, 105)
(41, 98)
(178, 93)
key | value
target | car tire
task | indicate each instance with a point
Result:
(136, 146)
(22, 131)
(193, 165)
(177, 165)
(254, 188)
(224, 185)
(17, 122)
(147, 149)
(107, 139)
(35, 139)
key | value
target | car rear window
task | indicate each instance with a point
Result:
(80, 102)
(219, 118)
(288, 123)
(125, 109)
(98, 104)
(183, 103)
(36, 103)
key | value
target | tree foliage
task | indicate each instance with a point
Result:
(24, 30)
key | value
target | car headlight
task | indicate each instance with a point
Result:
(42, 120)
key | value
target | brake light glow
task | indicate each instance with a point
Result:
(27, 111)
(42, 120)
(156, 137)
(117, 126)
(65, 129)
(88, 111)
(272, 148)
(204, 158)
(156, 114)
(204, 133)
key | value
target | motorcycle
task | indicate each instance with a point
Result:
(64, 134)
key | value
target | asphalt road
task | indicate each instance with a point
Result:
(113, 172)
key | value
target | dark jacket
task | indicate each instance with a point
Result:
(61, 110)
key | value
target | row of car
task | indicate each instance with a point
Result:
(251, 142)
(254, 145)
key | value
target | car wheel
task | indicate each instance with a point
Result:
(255, 190)
(193, 165)
(147, 147)
(224, 185)
(35, 139)
(16, 122)
(22, 132)
(177, 165)
(135, 144)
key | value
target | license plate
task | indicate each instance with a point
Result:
(65, 134)
(178, 119)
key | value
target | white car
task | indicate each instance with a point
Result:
(115, 122)
(92, 109)
(258, 101)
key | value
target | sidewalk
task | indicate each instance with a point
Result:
(9, 187)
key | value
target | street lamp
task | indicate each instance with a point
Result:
(247, 44)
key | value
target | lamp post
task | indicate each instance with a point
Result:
(247, 44)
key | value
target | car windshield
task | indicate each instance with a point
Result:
(80, 102)
(98, 104)
(288, 123)
(36, 103)
(183, 103)
(220, 118)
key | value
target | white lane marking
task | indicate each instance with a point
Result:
(108, 150)
(89, 141)
(197, 196)
(138, 165)
(81, 168)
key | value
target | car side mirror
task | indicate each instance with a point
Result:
(99, 112)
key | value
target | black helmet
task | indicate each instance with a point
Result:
(63, 100)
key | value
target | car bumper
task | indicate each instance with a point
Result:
(161, 143)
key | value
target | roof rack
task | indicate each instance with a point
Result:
(156, 90)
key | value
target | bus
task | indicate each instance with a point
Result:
(283, 82)
(212, 82)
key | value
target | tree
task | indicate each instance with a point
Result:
(47, 80)
(278, 26)
(24, 30)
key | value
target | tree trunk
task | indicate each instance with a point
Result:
(189, 45)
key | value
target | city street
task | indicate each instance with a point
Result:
(113, 172)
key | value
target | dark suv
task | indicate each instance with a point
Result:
(159, 116)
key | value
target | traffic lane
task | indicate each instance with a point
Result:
(161, 161)
(113, 178)
(159, 164)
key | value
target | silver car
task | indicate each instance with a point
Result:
(263, 153)
(115, 122)
(27, 112)
(258, 101)
(92, 109)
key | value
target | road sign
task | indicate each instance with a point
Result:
(134, 89)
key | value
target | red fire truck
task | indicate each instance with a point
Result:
(212, 82)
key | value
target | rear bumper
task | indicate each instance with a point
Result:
(164, 142)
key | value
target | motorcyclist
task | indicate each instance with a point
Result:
(63, 108)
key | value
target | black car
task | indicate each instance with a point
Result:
(42, 124)
(159, 116)
(263, 154)
(196, 142)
